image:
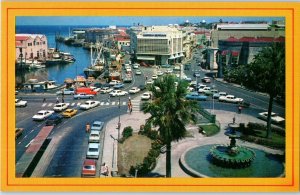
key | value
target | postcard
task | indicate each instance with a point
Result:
(150, 97)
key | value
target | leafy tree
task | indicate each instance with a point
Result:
(170, 112)
(267, 74)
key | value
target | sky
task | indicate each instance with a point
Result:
(127, 21)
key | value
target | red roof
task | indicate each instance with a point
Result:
(119, 38)
(232, 39)
(21, 38)
(18, 43)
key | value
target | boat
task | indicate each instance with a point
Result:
(35, 85)
(97, 65)
(56, 57)
(34, 64)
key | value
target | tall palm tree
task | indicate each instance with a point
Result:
(170, 112)
(267, 73)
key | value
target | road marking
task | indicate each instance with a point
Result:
(113, 103)
(124, 103)
(102, 103)
(31, 130)
(73, 104)
(29, 143)
(50, 105)
(25, 136)
(44, 104)
(19, 143)
(107, 104)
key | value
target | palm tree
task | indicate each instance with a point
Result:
(170, 112)
(267, 74)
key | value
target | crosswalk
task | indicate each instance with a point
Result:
(135, 104)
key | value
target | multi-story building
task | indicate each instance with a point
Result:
(31, 46)
(223, 32)
(156, 45)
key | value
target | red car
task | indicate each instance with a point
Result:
(89, 168)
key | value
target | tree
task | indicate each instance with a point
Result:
(170, 112)
(267, 74)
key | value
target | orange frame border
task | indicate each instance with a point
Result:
(288, 10)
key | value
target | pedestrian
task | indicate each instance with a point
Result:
(62, 100)
(104, 169)
(240, 109)
(57, 100)
(233, 120)
(88, 127)
(108, 99)
(44, 100)
(146, 78)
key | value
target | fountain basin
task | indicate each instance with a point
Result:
(198, 162)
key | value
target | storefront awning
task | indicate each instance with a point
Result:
(146, 58)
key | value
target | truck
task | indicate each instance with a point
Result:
(86, 90)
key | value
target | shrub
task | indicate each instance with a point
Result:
(127, 132)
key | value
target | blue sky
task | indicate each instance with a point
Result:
(79, 20)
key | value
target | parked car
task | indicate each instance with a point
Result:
(42, 115)
(135, 66)
(117, 92)
(134, 90)
(146, 96)
(106, 90)
(60, 107)
(142, 87)
(18, 132)
(160, 73)
(83, 96)
(230, 98)
(54, 119)
(196, 96)
(114, 82)
(211, 92)
(166, 66)
(217, 95)
(138, 72)
(200, 86)
(89, 104)
(177, 68)
(69, 91)
(127, 79)
(97, 125)
(119, 86)
(93, 151)
(204, 89)
(85, 90)
(206, 80)
(89, 168)
(274, 117)
(196, 74)
(69, 113)
(150, 82)
(96, 89)
(94, 137)
(154, 77)
(169, 71)
(20, 103)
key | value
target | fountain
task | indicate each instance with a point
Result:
(230, 160)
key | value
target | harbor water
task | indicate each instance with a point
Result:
(60, 72)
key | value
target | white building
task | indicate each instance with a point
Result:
(157, 45)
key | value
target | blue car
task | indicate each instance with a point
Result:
(196, 96)
(119, 86)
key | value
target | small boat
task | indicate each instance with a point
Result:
(34, 64)
(97, 65)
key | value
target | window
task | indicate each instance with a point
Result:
(37, 54)
(44, 42)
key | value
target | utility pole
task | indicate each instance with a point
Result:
(119, 122)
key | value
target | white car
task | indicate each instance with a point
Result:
(61, 106)
(154, 77)
(160, 73)
(135, 66)
(274, 117)
(20, 103)
(231, 99)
(93, 151)
(118, 93)
(134, 90)
(89, 104)
(83, 96)
(204, 89)
(94, 137)
(114, 82)
(146, 96)
(42, 115)
(95, 88)
(106, 90)
(150, 82)
(169, 70)
(138, 72)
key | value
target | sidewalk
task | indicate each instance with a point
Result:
(136, 119)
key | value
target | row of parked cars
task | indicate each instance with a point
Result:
(89, 168)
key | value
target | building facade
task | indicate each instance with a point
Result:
(222, 37)
(157, 45)
(31, 46)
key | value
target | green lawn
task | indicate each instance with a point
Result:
(210, 129)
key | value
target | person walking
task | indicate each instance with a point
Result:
(88, 127)
(44, 100)
(57, 100)
(62, 100)
(240, 109)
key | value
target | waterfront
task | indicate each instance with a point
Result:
(56, 72)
